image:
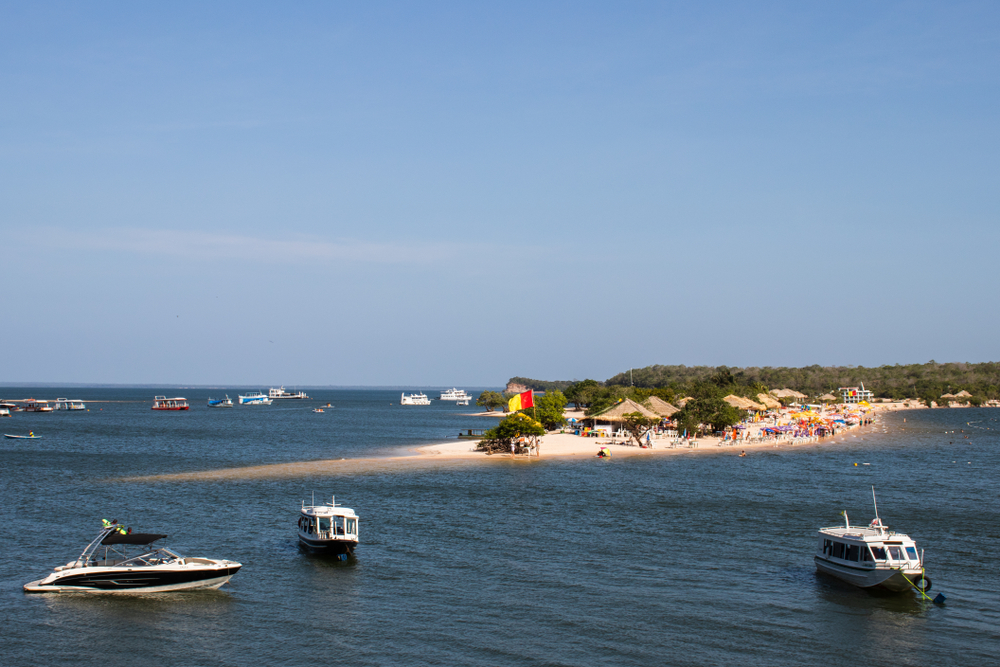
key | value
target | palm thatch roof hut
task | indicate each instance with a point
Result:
(788, 393)
(617, 412)
(963, 394)
(768, 401)
(660, 406)
(681, 403)
(828, 397)
(948, 396)
(743, 403)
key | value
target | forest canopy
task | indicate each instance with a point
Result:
(897, 382)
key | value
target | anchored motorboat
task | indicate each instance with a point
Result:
(414, 399)
(871, 556)
(105, 566)
(220, 402)
(255, 398)
(328, 528)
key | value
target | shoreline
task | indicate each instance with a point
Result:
(460, 453)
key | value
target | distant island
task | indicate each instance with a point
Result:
(926, 382)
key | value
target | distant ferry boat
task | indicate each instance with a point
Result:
(281, 393)
(255, 398)
(69, 404)
(31, 405)
(414, 399)
(455, 395)
(220, 402)
(164, 403)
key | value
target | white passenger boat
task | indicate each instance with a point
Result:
(69, 404)
(455, 395)
(32, 405)
(464, 401)
(328, 528)
(220, 402)
(105, 566)
(164, 403)
(255, 398)
(414, 399)
(872, 556)
(4, 412)
(281, 393)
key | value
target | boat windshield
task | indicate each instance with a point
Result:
(878, 553)
(911, 552)
(896, 553)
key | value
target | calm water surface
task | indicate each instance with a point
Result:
(680, 560)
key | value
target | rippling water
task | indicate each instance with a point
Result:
(700, 558)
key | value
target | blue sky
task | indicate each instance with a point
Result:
(437, 193)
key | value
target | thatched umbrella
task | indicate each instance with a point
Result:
(736, 401)
(617, 412)
(827, 397)
(660, 406)
(681, 403)
(768, 401)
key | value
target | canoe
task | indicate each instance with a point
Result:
(23, 437)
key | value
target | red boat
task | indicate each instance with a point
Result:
(164, 403)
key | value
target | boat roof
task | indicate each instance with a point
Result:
(865, 534)
(132, 538)
(327, 510)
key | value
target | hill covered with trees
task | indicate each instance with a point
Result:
(916, 381)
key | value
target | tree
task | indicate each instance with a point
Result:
(500, 437)
(638, 424)
(581, 393)
(548, 409)
(491, 400)
(712, 411)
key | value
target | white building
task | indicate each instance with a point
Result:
(855, 394)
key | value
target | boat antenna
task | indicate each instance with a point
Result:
(314, 499)
(875, 502)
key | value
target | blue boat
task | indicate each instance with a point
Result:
(220, 402)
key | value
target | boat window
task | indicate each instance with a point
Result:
(866, 555)
(911, 552)
(352, 526)
(852, 552)
(324, 524)
(896, 553)
(838, 549)
(878, 553)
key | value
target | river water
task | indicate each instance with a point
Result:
(693, 559)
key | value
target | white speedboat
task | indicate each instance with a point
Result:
(69, 404)
(220, 402)
(328, 528)
(255, 398)
(4, 412)
(871, 557)
(105, 566)
(281, 393)
(414, 399)
(455, 395)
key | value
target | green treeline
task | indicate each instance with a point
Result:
(916, 381)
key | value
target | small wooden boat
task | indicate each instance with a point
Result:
(22, 437)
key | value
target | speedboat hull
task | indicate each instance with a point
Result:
(886, 578)
(155, 579)
(327, 547)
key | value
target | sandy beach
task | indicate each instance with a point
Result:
(457, 453)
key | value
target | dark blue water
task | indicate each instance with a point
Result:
(701, 558)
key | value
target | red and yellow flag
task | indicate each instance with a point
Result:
(521, 401)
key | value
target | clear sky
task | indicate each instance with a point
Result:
(455, 193)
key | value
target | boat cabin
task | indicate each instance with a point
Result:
(871, 547)
(69, 404)
(323, 522)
